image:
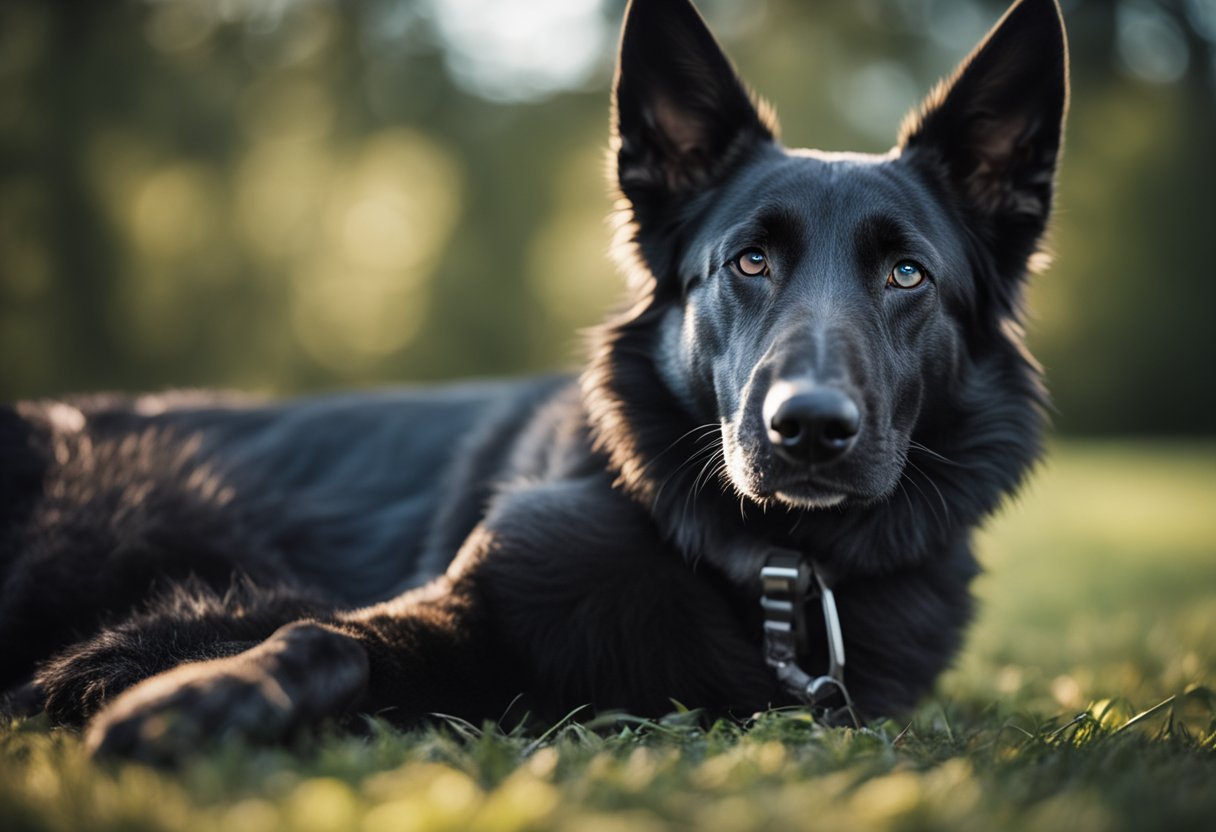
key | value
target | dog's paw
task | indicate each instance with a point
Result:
(168, 717)
(77, 683)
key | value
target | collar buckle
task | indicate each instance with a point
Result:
(788, 582)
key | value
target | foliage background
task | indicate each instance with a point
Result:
(291, 195)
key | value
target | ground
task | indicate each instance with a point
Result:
(1084, 701)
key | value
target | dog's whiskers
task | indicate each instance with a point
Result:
(701, 430)
(913, 445)
(715, 453)
(697, 455)
(904, 491)
(925, 496)
(941, 497)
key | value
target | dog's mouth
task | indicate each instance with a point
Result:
(802, 491)
(762, 480)
(759, 475)
(810, 493)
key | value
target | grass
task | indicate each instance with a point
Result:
(1099, 604)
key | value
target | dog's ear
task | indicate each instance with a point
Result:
(994, 130)
(681, 116)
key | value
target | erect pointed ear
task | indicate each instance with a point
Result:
(682, 117)
(994, 130)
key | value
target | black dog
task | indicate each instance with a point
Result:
(824, 358)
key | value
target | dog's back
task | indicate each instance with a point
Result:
(352, 498)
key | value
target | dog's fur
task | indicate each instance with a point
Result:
(593, 541)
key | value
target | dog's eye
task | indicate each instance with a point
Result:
(907, 274)
(751, 263)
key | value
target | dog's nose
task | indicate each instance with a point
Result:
(811, 425)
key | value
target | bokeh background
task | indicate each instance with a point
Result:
(292, 195)
(296, 195)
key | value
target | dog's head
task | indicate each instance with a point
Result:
(825, 312)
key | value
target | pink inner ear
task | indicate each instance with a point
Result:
(681, 129)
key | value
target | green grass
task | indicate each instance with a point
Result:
(1099, 603)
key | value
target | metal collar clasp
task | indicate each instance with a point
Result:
(788, 582)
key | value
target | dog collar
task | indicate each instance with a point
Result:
(789, 581)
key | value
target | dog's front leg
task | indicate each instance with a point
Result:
(304, 672)
(437, 650)
(425, 651)
(567, 594)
